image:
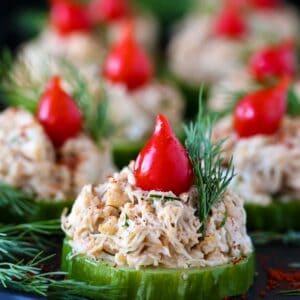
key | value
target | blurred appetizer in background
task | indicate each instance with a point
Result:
(153, 229)
(210, 45)
(135, 96)
(81, 32)
(52, 146)
(263, 138)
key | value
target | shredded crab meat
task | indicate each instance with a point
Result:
(28, 150)
(267, 166)
(126, 226)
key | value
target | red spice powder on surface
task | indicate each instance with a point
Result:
(277, 278)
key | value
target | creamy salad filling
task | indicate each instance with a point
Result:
(132, 112)
(125, 226)
(32, 164)
(80, 48)
(267, 167)
(193, 49)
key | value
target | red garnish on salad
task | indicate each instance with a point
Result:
(265, 4)
(163, 164)
(67, 17)
(127, 62)
(58, 113)
(106, 11)
(275, 61)
(261, 112)
(230, 24)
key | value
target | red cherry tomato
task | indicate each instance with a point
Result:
(67, 17)
(127, 62)
(275, 61)
(106, 11)
(58, 113)
(261, 112)
(265, 4)
(163, 164)
(230, 24)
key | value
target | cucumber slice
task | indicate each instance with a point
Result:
(276, 216)
(46, 210)
(166, 11)
(161, 283)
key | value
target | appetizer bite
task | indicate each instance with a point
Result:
(52, 148)
(81, 32)
(263, 138)
(224, 36)
(167, 219)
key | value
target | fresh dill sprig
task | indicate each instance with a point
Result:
(27, 239)
(266, 237)
(13, 89)
(164, 197)
(30, 278)
(18, 243)
(26, 277)
(13, 247)
(48, 227)
(17, 202)
(211, 178)
(93, 108)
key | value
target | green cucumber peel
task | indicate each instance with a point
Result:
(162, 283)
(276, 217)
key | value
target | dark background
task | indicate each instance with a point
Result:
(12, 31)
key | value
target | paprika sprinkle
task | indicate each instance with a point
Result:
(278, 278)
